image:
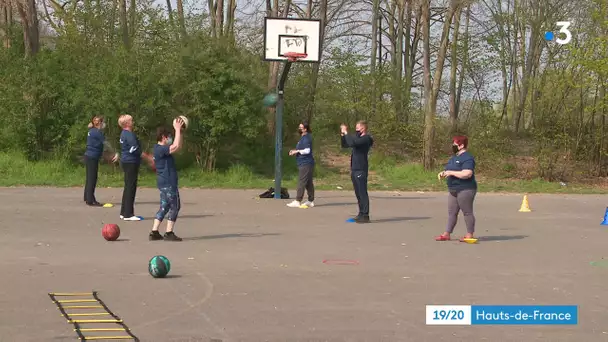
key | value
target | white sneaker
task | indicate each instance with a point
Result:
(308, 204)
(132, 218)
(122, 217)
(294, 204)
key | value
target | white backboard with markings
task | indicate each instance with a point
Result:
(283, 35)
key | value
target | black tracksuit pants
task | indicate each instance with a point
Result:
(131, 171)
(92, 166)
(359, 179)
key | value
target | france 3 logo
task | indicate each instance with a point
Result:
(563, 25)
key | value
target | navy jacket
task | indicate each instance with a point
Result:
(304, 143)
(361, 146)
(95, 140)
(131, 151)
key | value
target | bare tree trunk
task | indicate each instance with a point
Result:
(212, 10)
(412, 55)
(112, 22)
(465, 61)
(132, 19)
(219, 17)
(514, 59)
(229, 29)
(407, 50)
(379, 47)
(398, 70)
(374, 51)
(29, 20)
(6, 22)
(34, 27)
(432, 87)
(391, 34)
(123, 23)
(429, 128)
(453, 69)
(181, 18)
(534, 52)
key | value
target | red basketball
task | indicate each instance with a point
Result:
(110, 232)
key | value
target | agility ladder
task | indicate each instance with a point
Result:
(72, 317)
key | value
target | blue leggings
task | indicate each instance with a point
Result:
(169, 204)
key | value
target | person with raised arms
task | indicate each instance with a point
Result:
(360, 143)
(166, 180)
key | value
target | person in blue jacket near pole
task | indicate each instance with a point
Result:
(306, 168)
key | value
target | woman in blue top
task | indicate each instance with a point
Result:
(95, 147)
(130, 160)
(306, 168)
(462, 187)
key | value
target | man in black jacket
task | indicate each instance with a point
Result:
(361, 144)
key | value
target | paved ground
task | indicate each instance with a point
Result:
(252, 270)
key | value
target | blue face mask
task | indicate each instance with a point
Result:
(169, 140)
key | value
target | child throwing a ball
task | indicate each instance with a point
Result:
(167, 180)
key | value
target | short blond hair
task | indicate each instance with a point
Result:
(123, 119)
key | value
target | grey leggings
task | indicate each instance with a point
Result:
(461, 200)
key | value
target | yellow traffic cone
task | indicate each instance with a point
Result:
(525, 206)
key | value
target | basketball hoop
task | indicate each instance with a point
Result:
(294, 56)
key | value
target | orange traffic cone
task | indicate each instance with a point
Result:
(525, 206)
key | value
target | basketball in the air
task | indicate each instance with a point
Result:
(110, 231)
(159, 266)
(271, 99)
(184, 119)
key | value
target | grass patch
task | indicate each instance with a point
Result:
(386, 174)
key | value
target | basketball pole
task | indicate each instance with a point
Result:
(278, 147)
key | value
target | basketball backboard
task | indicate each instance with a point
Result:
(283, 35)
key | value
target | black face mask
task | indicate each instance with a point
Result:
(300, 130)
(454, 149)
(358, 133)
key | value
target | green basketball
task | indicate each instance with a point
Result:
(271, 99)
(159, 266)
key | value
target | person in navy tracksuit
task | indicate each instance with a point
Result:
(130, 159)
(96, 142)
(361, 143)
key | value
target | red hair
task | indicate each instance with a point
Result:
(461, 140)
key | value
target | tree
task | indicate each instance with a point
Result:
(432, 86)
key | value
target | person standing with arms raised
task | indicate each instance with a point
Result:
(306, 168)
(130, 159)
(360, 143)
(166, 180)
